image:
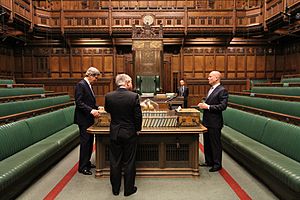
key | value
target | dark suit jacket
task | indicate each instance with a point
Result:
(85, 102)
(185, 91)
(125, 110)
(218, 102)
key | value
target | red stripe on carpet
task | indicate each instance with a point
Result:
(242, 194)
(63, 182)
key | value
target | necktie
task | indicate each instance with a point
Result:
(210, 91)
(92, 90)
(182, 90)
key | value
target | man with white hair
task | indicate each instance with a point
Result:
(85, 112)
(215, 103)
(126, 120)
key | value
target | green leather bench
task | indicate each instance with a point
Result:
(291, 91)
(268, 148)
(29, 147)
(280, 106)
(22, 106)
(6, 81)
(290, 80)
(5, 92)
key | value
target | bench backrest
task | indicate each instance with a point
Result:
(291, 91)
(6, 81)
(290, 80)
(249, 124)
(10, 108)
(16, 136)
(280, 106)
(5, 92)
(283, 137)
(280, 136)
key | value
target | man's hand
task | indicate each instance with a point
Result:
(95, 113)
(203, 106)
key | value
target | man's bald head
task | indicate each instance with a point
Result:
(214, 77)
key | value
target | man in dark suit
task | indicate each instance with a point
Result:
(126, 120)
(85, 112)
(215, 103)
(183, 91)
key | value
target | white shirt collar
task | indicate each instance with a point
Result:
(86, 79)
(216, 85)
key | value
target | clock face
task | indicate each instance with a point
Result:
(148, 19)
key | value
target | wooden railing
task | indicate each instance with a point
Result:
(191, 16)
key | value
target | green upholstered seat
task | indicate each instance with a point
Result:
(14, 137)
(5, 92)
(29, 147)
(283, 138)
(248, 124)
(267, 147)
(280, 106)
(10, 108)
(40, 125)
(6, 81)
(291, 80)
(291, 91)
(147, 84)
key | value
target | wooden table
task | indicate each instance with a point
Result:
(167, 152)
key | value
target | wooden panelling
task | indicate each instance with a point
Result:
(54, 64)
(7, 64)
(220, 63)
(97, 61)
(86, 62)
(65, 64)
(175, 63)
(108, 64)
(120, 64)
(188, 63)
(260, 63)
(76, 64)
(251, 63)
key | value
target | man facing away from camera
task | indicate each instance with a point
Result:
(126, 120)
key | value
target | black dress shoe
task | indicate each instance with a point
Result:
(205, 165)
(130, 193)
(116, 193)
(215, 169)
(85, 172)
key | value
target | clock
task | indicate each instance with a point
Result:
(148, 19)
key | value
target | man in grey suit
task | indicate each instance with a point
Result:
(85, 112)
(126, 120)
(215, 103)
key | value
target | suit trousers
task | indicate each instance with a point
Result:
(213, 147)
(122, 153)
(86, 148)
